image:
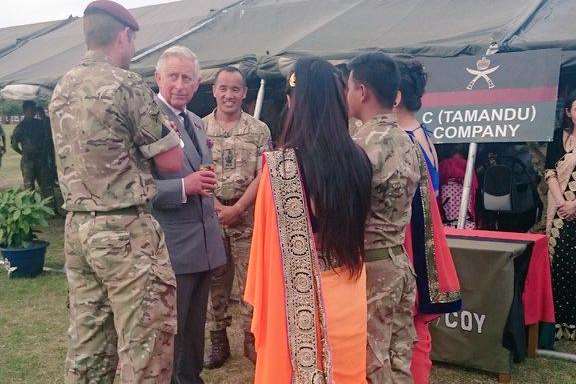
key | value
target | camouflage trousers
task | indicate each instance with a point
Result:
(237, 243)
(35, 171)
(391, 293)
(122, 293)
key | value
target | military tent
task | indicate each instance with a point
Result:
(268, 35)
(44, 58)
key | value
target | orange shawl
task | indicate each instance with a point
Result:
(342, 306)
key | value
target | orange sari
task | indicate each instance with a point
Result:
(309, 325)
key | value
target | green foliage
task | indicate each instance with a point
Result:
(10, 108)
(22, 212)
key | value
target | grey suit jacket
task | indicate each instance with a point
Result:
(192, 231)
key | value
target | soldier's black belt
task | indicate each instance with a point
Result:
(229, 203)
(120, 211)
(383, 253)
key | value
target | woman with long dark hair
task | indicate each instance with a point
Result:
(306, 277)
(561, 220)
(425, 239)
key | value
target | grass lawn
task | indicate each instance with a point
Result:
(33, 322)
(10, 174)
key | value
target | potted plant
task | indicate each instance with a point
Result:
(22, 212)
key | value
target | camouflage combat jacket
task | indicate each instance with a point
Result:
(106, 127)
(237, 154)
(396, 175)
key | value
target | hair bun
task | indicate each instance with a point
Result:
(413, 84)
(418, 76)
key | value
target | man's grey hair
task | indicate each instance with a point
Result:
(181, 52)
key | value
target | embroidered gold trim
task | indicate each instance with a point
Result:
(558, 222)
(436, 295)
(304, 307)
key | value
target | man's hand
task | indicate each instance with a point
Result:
(567, 210)
(200, 183)
(169, 161)
(229, 216)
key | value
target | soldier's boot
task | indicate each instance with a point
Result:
(249, 346)
(219, 350)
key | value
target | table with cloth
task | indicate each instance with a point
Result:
(506, 288)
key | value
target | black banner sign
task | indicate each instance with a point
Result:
(506, 97)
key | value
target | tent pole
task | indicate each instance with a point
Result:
(556, 355)
(467, 184)
(473, 149)
(260, 99)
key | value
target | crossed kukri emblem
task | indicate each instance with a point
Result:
(482, 72)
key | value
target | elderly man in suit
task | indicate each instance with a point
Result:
(184, 208)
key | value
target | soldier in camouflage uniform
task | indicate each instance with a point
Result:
(31, 139)
(390, 280)
(239, 140)
(107, 129)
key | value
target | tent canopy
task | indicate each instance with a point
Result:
(552, 26)
(342, 28)
(440, 28)
(12, 38)
(44, 59)
(270, 34)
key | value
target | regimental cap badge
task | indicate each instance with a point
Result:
(482, 71)
(483, 64)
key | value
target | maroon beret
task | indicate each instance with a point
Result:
(115, 10)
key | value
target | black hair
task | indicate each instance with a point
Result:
(344, 71)
(413, 80)
(568, 124)
(336, 171)
(379, 72)
(460, 148)
(230, 69)
(29, 105)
